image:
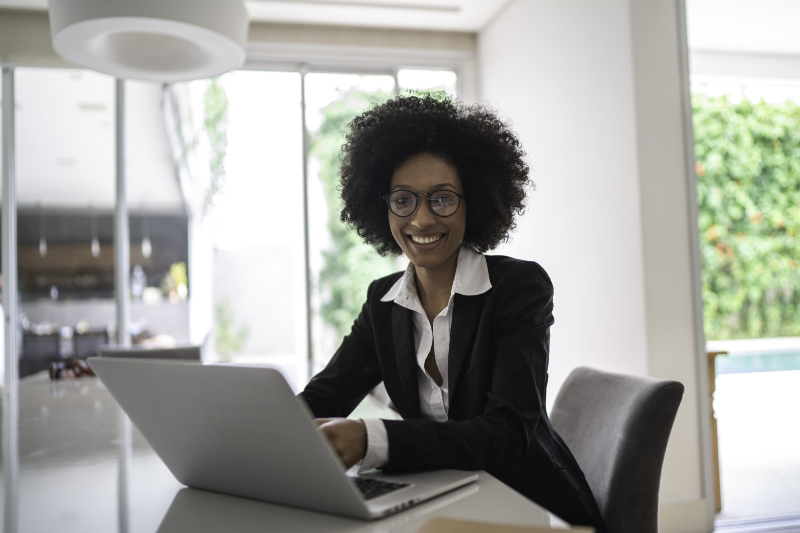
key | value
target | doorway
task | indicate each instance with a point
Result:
(748, 178)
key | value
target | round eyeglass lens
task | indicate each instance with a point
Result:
(402, 203)
(443, 203)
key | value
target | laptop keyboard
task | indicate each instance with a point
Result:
(372, 488)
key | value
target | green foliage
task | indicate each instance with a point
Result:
(229, 339)
(748, 191)
(215, 102)
(178, 273)
(349, 265)
(436, 94)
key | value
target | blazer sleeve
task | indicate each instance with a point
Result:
(352, 372)
(498, 439)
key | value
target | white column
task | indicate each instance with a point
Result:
(122, 243)
(10, 303)
(306, 241)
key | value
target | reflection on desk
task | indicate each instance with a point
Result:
(82, 468)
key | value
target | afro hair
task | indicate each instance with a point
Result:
(485, 153)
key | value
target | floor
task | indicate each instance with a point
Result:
(758, 417)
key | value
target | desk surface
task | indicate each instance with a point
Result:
(81, 467)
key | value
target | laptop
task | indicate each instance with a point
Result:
(241, 431)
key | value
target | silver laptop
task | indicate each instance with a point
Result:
(241, 431)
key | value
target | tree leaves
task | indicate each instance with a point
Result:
(748, 192)
(215, 122)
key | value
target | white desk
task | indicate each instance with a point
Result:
(82, 468)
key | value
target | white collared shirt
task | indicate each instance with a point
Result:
(471, 279)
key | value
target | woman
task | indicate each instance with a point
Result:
(460, 340)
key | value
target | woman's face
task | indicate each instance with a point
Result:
(428, 240)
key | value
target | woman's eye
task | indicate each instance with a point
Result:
(444, 199)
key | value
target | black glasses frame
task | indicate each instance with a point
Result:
(428, 194)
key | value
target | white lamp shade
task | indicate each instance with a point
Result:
(157, 40)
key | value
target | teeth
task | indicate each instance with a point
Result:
(425, 240)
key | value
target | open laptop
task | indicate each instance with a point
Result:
(241, 431)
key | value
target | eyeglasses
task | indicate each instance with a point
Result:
(443, 202)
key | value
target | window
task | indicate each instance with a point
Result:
(342, 266)
(65, 146)
(253, 208)
(218, 248)
(428, 80)
(246, 128)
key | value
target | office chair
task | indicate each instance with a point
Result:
(188, 353)
(617, 427)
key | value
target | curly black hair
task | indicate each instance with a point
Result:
(481, 147)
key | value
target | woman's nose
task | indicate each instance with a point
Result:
(423, 216)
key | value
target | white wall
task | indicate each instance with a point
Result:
(563, 76)
(611, 229)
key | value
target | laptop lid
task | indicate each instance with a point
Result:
(234, 430)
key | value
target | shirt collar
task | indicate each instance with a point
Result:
(472, 278)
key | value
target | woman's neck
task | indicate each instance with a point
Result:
(434, 285)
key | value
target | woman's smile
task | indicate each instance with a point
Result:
(426, 241)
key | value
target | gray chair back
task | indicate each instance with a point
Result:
(617, 427)
(190, 353)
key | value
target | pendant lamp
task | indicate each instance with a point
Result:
(95, 240)
(147, 246)
(156, 40)
(42, 240)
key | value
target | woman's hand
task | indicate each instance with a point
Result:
(348, 437)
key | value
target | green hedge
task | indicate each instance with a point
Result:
(748, 191)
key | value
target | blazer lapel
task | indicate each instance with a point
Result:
(466, 311)
(403, 333)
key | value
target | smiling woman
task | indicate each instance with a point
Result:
(460, 340)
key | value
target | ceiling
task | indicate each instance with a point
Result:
(447, 15)
(65, 143)
(763, 26)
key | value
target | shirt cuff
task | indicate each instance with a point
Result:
(377, 445)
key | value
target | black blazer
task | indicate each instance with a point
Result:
(497, 377)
